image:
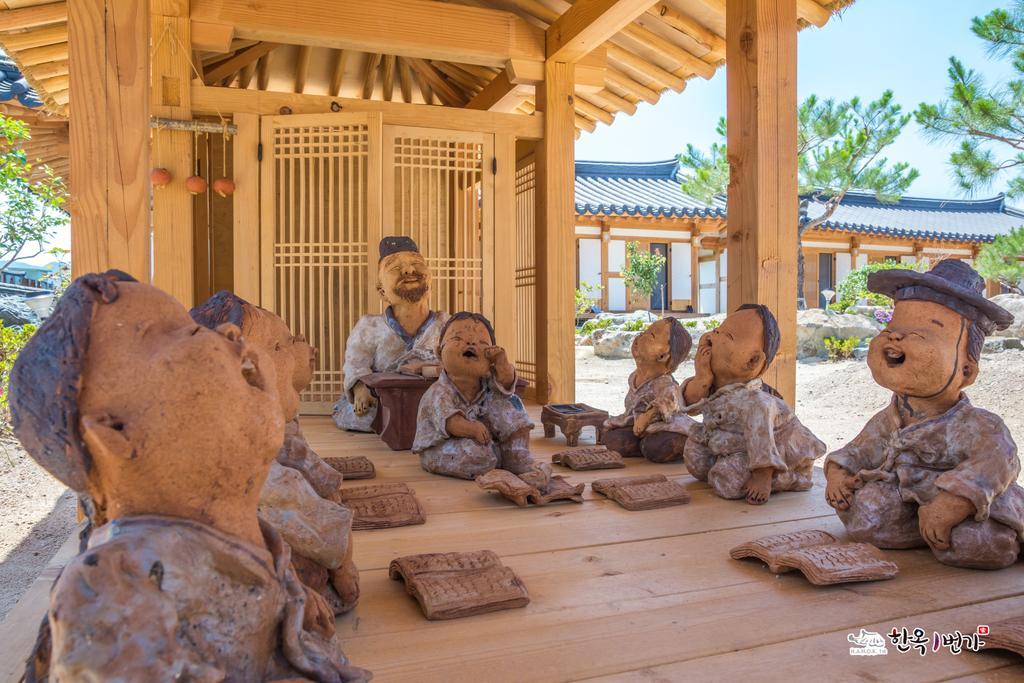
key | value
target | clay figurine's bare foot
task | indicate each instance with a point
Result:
(759, 487)
(345, 580)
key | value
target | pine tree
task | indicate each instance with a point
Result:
(988, 121)
(839, 148)
(1003, 260)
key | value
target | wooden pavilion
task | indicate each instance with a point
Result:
(454, 122)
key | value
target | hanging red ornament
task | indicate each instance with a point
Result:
(160, 177)
(196, 184)
(225, 187)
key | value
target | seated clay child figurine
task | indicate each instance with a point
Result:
(403, 338)
(169, 429)
(470, 421)
(297, 498)
(750, 443)
(931, 469)
(653, 395)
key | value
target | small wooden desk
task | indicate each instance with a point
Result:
(572, 418)
(398, 403)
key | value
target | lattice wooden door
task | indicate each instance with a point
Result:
(320, 225)
(526, 272)
(438, 189)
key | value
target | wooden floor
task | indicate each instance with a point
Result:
(644, 596)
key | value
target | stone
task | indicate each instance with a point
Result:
(1014, 303)
(860, 353)
(814, 325)
(614, 344)
(1000, 344)
(14, 312)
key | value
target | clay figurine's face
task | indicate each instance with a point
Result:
(404, 276)
(292, 356)
(922, 352)
(174, 415)
(737, 348)
(652, 345)
(462, 349)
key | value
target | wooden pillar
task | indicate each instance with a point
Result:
(173, 241)
(762, 228)
(606, 239)
(246, 213)
(555, 206)
(108, 49)
(503, 246)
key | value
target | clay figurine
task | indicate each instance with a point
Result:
(653, 396)
(470, 421)
(750, 443)
(403, 338)
(169, 430)
(931, 469)
(298, 496)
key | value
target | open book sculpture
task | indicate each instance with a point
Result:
(589, 458)
(820, 556)
(522, 492)
(642, 492)
(382, 506)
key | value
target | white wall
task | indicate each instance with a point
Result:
(616, 294)
(682, 271)
(723, 299)
(844, 264)
(908, 259)
(590, 262)
(708, 298)
(616, 255)
(862, 260)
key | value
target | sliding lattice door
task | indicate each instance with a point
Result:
(526, 272)
(321, 222)
(438, 188)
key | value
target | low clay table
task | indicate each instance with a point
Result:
(399, 395)
(571, 418)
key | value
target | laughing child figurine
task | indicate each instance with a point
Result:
(168, 429)
(653, 396)
(931, 469)
(470, 421)
(750, 444)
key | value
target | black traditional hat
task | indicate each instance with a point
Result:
(396, 243)
(951, 283)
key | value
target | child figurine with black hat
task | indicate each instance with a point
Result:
(403, 338)
(932, 469)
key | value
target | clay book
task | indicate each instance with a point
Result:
(381, 506)
(820, 556)
(521, 493)
(589, 458)
(353, 467)
(1006, 635)
(642, 492)
(453, 585)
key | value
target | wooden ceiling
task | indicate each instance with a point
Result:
(663, 47)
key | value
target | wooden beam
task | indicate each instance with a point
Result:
(234, 64)
(408, 28)
(245, 75)
(337, 72)
(246, 201)
(173, 216)
(590, 71)
(449, 94)
(811, 12)
(263, 71)
(50, 35)
(713, 43)
(208, 101)
(32, 17)
(370, 74)
(302, 68)
(109, 43)
(211, 37)
(404, 79)
(387, 78)
(588, 24)
(761, 110)
(555, 213)
(500, 94)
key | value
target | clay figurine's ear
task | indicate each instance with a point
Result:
(756, 360)
(105, 439)
(970, 371)
(665, 357)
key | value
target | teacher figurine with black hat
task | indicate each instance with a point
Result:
(403, 338)
(931, 469)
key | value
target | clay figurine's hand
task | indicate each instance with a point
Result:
(840, 486)
(479, 432)
(641, 422)
(937, 517)
(414, 368)
(702, 359)
(504, 372)
(364, 400)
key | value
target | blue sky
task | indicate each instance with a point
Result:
(902, 45)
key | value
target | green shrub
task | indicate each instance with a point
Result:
(12, 341)
(586, 296)
(690, 324)
(595, 324)
(841, 349)
(854, 286)
(711, 323)
(635, 325)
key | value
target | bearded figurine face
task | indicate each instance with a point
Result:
(403, 277)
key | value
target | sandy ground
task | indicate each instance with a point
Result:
(833, 399)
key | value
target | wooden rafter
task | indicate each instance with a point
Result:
(370, 75)
(422, 83)
(234, 64)
(460, 76)
(337, 71)
(32, 17)
(302, 68)
(588, 24)
(617, 79)
(39, 37)
(412, 28)
(610, 99)
(245, 75)
(501, 94)
(263, 71)
(591, 110)
(404, 79)
(449, 95)
(713, 43)
(388, 77)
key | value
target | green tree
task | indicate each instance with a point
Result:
(643, 268)
(987, 121)
(31, 197)
(1003, 260)
(839, 148)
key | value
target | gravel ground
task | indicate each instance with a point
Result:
(39, 512)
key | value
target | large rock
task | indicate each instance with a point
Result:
(1000, 344)
(1014, 303)
(614, 344)
(14, 312)
(815, 325)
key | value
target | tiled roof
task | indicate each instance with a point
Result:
(652, 190)
(14, 86)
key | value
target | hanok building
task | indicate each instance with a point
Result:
(618, 203)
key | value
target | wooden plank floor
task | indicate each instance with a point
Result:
(649, 596)
(633, 596)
